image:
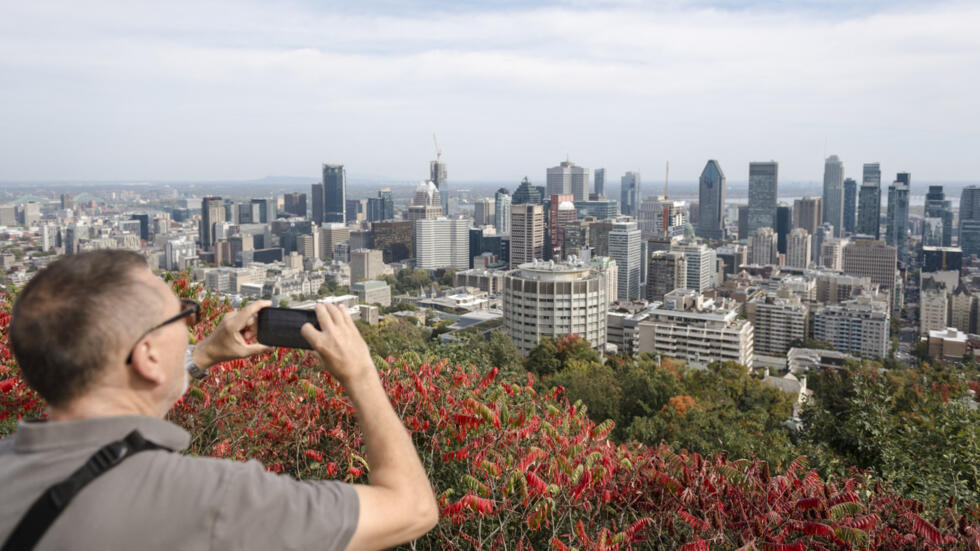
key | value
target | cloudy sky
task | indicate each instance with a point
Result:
(192, 90)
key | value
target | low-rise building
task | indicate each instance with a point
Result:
(371, 292)
(947, 344)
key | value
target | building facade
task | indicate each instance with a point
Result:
(625, 247)
(833, 193)
(548, 299)
(897, 230)
(711, 202)
(696, 329)
(442, 243)
(798, 251)
(763, 192)
(667, 271)
(859, 326)
(526, 233)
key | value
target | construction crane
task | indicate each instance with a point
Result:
(438, 151)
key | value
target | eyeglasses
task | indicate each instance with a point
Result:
(190, 313)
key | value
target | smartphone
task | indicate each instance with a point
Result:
(281, 327)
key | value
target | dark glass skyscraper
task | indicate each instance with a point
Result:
(763, 190)
(897, 231)
(711, 202)
(526, 193)
(970, 220)
(938, 207)
(334, 193)
(212, 212)
(850, 204)
(784, 223)
(600, 182)
(869, 202)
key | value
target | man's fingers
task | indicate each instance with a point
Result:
(311, 335)
(253, 349)
(322, 316)
(252, 308)
(335, 314)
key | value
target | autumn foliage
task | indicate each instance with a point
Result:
(515, 469)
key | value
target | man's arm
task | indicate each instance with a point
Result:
(398, 505)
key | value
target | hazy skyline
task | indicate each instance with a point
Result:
(179, 91)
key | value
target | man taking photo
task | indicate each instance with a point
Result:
(105, 343)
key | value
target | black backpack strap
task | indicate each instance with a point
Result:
(53, 501)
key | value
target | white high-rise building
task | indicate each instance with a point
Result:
(701, 264)
(624, 246)
(798, 248)
(859, 325)
(778, 321)
(763, 246)
(548, 299)
(501, 208)
(442, 243)
(934, 307)
(568, 178)
(832, 252)
(833, 193)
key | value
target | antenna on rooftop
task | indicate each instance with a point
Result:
(666, 180)
(438, 151)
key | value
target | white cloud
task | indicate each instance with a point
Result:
(183, 90)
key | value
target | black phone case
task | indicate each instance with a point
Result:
(281, 327)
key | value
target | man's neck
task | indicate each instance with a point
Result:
(103, 404)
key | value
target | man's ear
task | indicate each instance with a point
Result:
(146, 362)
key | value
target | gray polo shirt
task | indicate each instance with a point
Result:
(164, 500)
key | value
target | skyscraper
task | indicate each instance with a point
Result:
(798, 250)
(762, 246)
(808, 214)
(334, 193)
(381, 207)
(501, 207)
(833, 193)
(897, 230)
(970, 220)
(295, 204)
(562, 212)
(937, 206)
(526, 233)
(624, 248)
(869, 202)
(850, 204)
(701, 261)
(667, 271)
(212, 212)
(784, 222)
(318, 203)
(568, 178)
(711, 202)
(600, 182)
(437, 173)
(763, 183)
(442, 243)
(629, 193)
(527, 193)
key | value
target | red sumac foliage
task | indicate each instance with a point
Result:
(518, 470)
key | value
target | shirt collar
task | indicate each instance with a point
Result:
(35, 435)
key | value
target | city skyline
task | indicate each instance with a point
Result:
(230, 92)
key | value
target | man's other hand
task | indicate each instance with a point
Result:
(234, 338)
(342, 350)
